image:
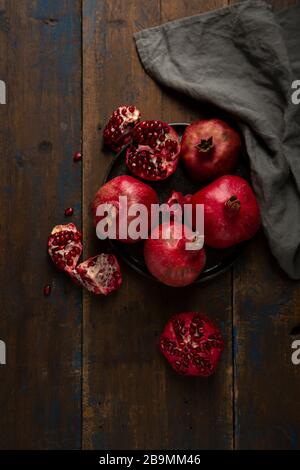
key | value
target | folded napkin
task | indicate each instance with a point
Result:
(244, 59)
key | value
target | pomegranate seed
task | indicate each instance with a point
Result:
(77, 156)
(47, 290)
(69, 211)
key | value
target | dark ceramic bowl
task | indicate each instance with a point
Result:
(217, 261)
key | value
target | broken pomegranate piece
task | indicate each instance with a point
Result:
(179, 198)
(100, 274)
(154, 152)
(65, 247)
(192, 344)
(176, 202)
(118, 130)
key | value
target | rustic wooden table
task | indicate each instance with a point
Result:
(84, 371)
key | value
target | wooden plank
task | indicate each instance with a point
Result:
(266, 308)
(40, 60)
(131, 397)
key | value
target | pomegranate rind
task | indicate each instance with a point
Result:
(65, 247)
(221, 230)
(117, 132)
(168, 259)
(137, 192)
(155, 151)
(177, 197)
(100, 274)
(192, 344)
(220, 160)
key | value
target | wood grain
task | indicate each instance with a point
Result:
(40, 60)
(132, 399)
(86, 371)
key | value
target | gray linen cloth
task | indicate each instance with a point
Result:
(244, 59)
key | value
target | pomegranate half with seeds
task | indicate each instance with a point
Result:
(65, 247)
(154, 152)
(100, 274)
(192, 344)
(118, 130)
(209, 148)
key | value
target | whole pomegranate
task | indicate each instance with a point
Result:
(192, 344)
(154, 152)
(231, 213)
(168, 258)
(210, 148)
(100, 274)
(118, 130)
(65, 247)
(134, 190)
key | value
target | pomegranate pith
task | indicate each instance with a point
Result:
(65, 247)
(100, 274)
(192, 344)
(118, 130)
(209, 148)
(154, 152)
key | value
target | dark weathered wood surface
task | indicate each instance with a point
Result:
(40, 60)
(86, 371)
(132, 398)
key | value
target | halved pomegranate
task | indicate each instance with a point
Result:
(118, 130)
(209, 148)
(168, 258)
(154, 152)
(192, 344)
(134, 190)
(100, 274)
(65, 247)
(231, 213)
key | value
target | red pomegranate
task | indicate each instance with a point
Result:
(176, 202)
(192, 344)
(154, 152)
(100, 274)
(179, 198)
(231, 213)
(209, 148)
(168, 258)
(65, 247)
(118, 130)
(136, 192)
